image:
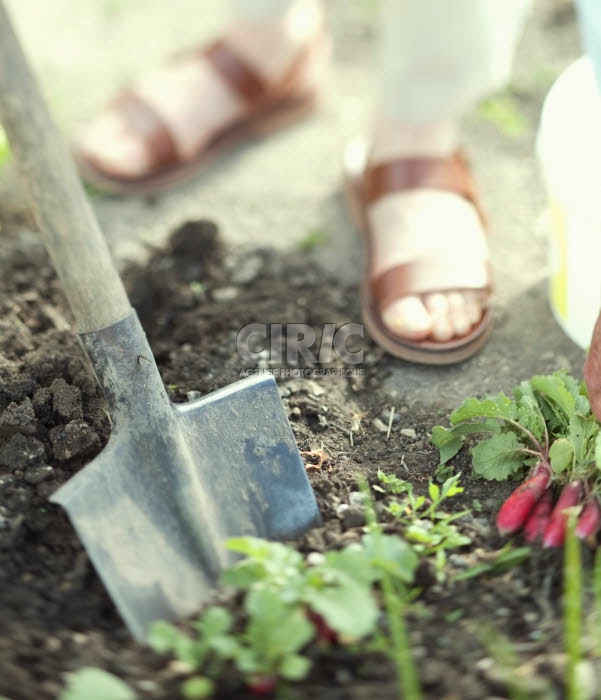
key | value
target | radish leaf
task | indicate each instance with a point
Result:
(561, 455)
(492, 407)
(530, 416)
(598, 450)
(580, 431)
(498, 457)
(553, 388)
(450, 440)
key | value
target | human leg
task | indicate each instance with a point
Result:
(276, 41)
(436, 60)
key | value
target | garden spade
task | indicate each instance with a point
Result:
(175, 480)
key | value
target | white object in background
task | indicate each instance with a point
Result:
(569, 149)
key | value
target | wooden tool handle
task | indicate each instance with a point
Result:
(70, 230)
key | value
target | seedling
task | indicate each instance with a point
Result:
(428, 529)
(395, 601)
(507, 558)
(288, 603)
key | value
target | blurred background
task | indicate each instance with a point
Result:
(285, 191)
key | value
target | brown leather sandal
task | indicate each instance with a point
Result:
(365, 185)
(268, 108)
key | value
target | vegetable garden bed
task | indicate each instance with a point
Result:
(481, 615)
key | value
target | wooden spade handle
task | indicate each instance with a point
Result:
(70, 230)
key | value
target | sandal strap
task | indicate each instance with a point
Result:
(235, 72)
(436, 272)
(450, 174)
(146, 122)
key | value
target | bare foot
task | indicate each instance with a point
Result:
(408, 224)
(192, 100)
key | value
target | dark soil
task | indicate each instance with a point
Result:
(192, 299)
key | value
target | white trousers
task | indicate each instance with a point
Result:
(436, 58)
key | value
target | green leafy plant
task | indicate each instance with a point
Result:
(547, 428)
(95, 684)
(396, 598)
(428, 529)
(287, 603)
(506, 559)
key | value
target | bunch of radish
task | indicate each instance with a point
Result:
(546, 422)
(531, 508)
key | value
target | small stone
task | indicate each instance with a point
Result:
(315, 559)
(409, 433)
(222, 294)
(385, 417)
(315, 388)
(356, 498)
(458, 561)
(484, 664)
(148, 686)
(322, 422)
(179, 667)
(53, 644)
(351, 516)
(379, 425)
(296, 412)
(247, 270)
(193, 395)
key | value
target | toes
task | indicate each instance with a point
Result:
(473, 306)
(111, 144)
(440, 316)
(408, 318)
(459, 316)
(437, 306)
(454, 313)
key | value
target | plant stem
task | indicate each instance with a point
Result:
(572, 608)
(526, 451)
(534, 441)
(597, 597)
(406, 670)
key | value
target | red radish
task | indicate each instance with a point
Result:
(539, 517)
(555, 533)
(517, 507)
(589, 521)
(261, 685)
(322, 629)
